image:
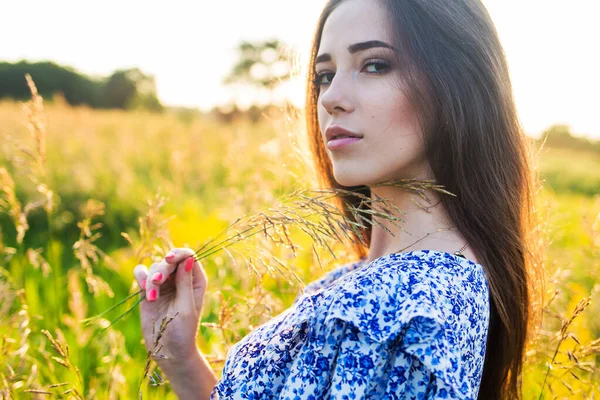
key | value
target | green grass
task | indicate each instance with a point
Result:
(571, 171)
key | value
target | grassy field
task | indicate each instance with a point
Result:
(86, 195)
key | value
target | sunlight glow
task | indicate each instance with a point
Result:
(551, 46)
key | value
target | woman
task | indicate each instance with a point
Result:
(439, 309)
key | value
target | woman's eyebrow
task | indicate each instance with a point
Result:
(356, 47)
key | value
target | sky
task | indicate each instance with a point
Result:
(552, 47)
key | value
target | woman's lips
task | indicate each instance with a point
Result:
(335, 144)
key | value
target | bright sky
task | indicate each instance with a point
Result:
(552, 46)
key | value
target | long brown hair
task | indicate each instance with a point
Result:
(458, 80)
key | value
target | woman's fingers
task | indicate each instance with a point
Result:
(199, 285)
(157, 275)
(160, 272)
(190, 279)
(178, 255)
(140, 272)
(184, 299)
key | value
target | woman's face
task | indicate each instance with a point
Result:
(362, 91)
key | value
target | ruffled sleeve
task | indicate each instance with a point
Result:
(394, 334)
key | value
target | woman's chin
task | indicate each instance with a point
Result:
(350, 179)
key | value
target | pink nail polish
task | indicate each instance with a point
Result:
(157, 277)
(151, 294)
(169, 256)
(143, 285)
(189, 264)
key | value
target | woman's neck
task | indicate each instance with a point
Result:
(426, 224)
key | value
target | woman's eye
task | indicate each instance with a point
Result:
(382, 65)
(319, 80)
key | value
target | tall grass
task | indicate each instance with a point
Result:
(86, 195)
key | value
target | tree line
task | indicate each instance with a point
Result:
(560, 136)
(123, 89)
(261, 66)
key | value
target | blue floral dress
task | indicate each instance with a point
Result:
(404, 326)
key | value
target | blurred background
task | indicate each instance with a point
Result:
(186, 52)
(161, 123)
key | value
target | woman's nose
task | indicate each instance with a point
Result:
(338, 95)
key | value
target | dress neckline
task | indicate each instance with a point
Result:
(458, 258)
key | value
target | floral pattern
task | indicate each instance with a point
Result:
(404, 326)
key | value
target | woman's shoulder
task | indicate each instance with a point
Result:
(434, 304)
(443, 272)
(383, 296)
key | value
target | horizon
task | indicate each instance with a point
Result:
(554, 72)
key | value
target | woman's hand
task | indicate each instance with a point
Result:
(175, 285)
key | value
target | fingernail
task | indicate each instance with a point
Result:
(157, 277)
(189, 264)
(170, 255)
(151, 294)
(143, 284)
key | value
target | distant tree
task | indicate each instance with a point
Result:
(124, 89)
(131, 88)
(263, 65)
